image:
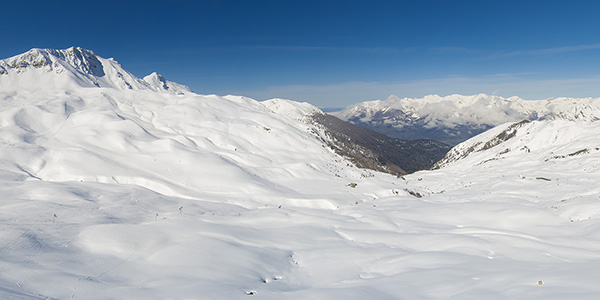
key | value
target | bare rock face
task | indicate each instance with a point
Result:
(365, 148)
(372, 150)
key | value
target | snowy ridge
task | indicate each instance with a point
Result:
(292, 109)
(73, 68)
(548, 140)
(118, 193)
(135, 135)
(166, 86)
(564, 155)
(455, 118)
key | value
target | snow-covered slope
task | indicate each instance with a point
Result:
(524, 197)
(74, 68)
(84, 174)
(170, 144)
(365, 148)
(161, 84)
(110, 193)
(455, 118)
(548, 140)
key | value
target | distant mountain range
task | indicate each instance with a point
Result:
(455, 118)
(118, 187)
(75, 68)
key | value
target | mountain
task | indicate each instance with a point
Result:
(111, 192)
(524, 197)
(550, 163)
(74, 68)
(455, 118)
(548, 142)
(365, 148)
(159, 83)
(372, 150)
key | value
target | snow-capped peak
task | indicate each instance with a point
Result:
(455, 118)
(72, 68)
(292, 109)
(80, 59)
(163, 85)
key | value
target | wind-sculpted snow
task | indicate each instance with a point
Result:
(171, 144)
(135, 194)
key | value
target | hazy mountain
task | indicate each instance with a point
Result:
(455, 118)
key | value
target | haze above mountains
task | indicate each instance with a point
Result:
(119, 187)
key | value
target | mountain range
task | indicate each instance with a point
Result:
(75, 68)
(455, 118)
(116, 187)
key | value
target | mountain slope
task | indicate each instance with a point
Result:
(558, 161)
(170, 144)
(74, 68)
(365, 148)
(110, 193)
(396, 156)
(455, 118)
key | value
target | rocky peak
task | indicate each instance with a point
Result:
(76, 67)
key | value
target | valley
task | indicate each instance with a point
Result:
(116, 187)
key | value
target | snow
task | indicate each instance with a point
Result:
(295, 110)
(75, 68)
(452, 110)
(161, 84)
(110, 193)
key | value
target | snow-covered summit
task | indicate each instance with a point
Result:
(455, 118)
(72, 68)
(292, 109)
(163, 85)
(131, 189)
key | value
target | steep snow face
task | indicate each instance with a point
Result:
(455, 118)
(72, 68)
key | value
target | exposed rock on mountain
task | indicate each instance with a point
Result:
(365, 148)
(75, 68)
(128, 191)
(544, 141)
(372, 150)
(455, 118)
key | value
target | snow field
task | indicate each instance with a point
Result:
(155, 193)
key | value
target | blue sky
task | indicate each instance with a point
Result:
(330, 53)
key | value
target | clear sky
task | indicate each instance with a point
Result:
(329, 53)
